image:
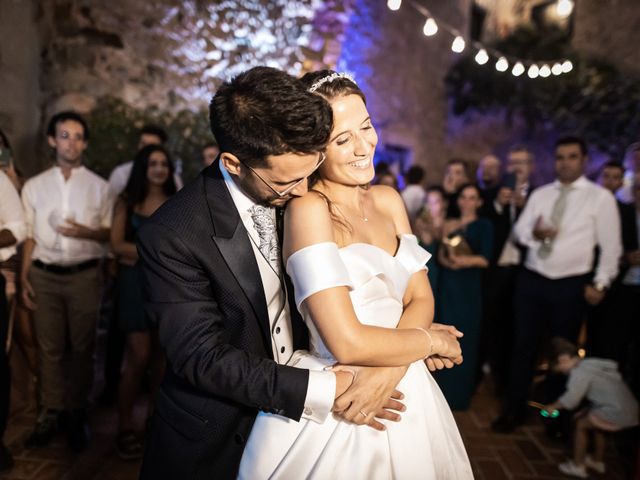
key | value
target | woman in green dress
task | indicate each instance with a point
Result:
(464, 253)
(150, 184)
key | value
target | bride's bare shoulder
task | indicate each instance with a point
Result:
(307, 221)
(312, 203)
(389, 201)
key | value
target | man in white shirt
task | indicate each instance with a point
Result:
(632, 164)
(68, 212)
(414, 194)
(562, 224)
(149, 135)
(12, 232)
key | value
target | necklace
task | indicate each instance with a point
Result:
(364, 214)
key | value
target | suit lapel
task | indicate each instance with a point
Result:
(232, 240)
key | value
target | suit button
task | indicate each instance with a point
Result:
(277, 329)
(239, 439)
(282, 350)
(308, 411)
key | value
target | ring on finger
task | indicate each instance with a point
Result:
(363, 413)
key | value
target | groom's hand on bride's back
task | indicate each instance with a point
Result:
(371, 396)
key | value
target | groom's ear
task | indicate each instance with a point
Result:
(231, 163)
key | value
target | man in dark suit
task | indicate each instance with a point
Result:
(214, 283)
(602, 340)
(503, 210)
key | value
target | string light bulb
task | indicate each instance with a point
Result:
(502, 65)
(518, 69)
(567, 66)
(556, 69)
(458, 44)
(482, 57)
(430, 27)
(394, 4)
(564, 8)
(545, 71)
(533, 71)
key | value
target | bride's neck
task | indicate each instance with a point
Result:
(349, 195)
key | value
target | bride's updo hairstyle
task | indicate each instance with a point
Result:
(331, 84)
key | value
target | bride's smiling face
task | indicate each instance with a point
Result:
(352, 143)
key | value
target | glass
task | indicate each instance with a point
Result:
(287, 190)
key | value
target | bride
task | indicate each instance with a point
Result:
(362, 289)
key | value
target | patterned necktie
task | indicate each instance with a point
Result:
(555, 219)
(266, 228)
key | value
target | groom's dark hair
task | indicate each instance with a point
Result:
(265, 111)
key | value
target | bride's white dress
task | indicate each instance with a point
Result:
(425, 444)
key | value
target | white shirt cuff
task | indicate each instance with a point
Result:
(498, 206)
(321, 392)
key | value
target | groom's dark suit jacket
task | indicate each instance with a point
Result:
(202, 286)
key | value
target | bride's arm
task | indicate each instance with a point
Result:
(308, 223)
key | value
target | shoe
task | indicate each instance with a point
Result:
(78, 431)
(573, 470)
(507, 423)
(598, 467)
(6, 460)
(128, 447)
(46, 428)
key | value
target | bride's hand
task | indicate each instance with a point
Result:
(446, 345)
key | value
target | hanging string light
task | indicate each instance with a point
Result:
(502, 65)
(564, 8)
(458, 44)
(394, 4)
(482, 57)
(430, 27)
(518, 69)
(545, 71)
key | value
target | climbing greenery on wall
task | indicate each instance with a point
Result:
(114, 135)
(594, 100)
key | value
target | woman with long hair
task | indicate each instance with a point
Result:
(151, 183)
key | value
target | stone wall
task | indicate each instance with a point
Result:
(20, 92)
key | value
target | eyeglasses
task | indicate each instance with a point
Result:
(290, 188)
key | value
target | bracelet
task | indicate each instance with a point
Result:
(430, 342)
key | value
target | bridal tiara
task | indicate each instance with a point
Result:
(330, 78)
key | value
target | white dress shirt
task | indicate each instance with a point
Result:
(322, 385)
(120, 176)
(48, 199)
(590, 218)
(11, 216)
(414, 198)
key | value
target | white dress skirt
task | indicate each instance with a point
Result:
(425, 444)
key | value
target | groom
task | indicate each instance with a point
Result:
(214, 284)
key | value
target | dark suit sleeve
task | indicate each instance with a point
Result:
(178, 297)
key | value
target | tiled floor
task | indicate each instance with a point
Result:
(525, 454)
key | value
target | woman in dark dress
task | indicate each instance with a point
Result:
(150, 185)
(460, 290)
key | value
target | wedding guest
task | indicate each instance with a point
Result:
(632, 166)
(465, 253)
(612, 406)
(149, 135)
(561, 225)
(150, 184)
(456, 175)
(503, 212)
(68, 215)
(414, 195)
(209, 153)
(12, 232)
(428, 228)
(602, 340)
(488, 178)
